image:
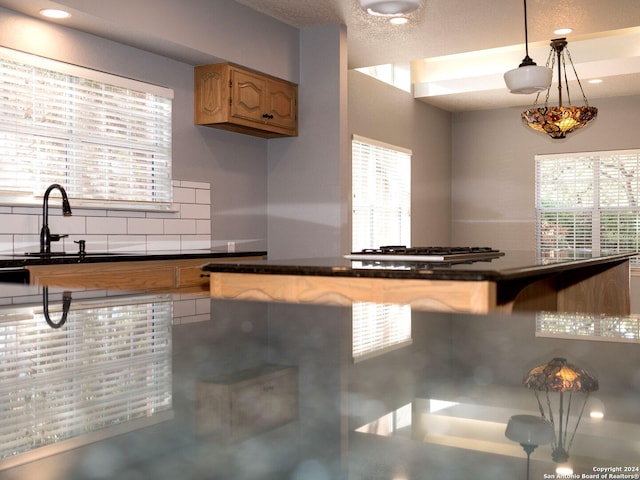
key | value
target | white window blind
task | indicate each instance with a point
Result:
(381, 189)
(378, 329)
(588, 327)
(105, 139)
(107, 368)
(588, 202)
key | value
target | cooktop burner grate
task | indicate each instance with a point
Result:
(425, 254)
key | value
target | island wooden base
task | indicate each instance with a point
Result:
(596, 289)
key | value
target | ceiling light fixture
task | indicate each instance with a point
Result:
(559, 121)
(389, 7)
(528, 77)
(54, 13)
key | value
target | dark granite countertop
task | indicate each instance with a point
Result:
(24, 260)
(432, 402)
(513, 265)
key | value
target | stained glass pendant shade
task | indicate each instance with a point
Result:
(559, 121)
(559, 376)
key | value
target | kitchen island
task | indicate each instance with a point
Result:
(516, 281)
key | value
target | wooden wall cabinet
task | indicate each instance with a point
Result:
(242, 100)
(236, 406)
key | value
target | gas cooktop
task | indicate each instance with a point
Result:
(402, 253)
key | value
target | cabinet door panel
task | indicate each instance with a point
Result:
(281, 104)
(213, 95)
(247, 96)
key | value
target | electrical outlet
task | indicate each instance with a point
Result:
(231, 247)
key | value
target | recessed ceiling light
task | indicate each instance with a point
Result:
(398, 20)
(54, 13)
(563, 31)
(595, 80)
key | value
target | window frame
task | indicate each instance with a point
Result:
(379, 154)
(115, 157)
(589, 202)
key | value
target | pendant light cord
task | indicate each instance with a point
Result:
(526, 31)
(526, 61)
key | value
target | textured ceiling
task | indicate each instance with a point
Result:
(456, 29)
(445, 32)
(445, 27)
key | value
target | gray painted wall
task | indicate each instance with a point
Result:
(385, 113)
(235, 165)
(493, 177)
(290, 196)
(201, 31)
(305, 182)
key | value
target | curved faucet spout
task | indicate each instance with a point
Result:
(45, 235)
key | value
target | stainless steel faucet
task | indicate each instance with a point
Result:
(46, 237)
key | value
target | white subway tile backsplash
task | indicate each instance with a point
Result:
(203, 227)
(145, 226)
(106, 226)
(203, 305)
(183, 308)
(163, 243)
(68, 225)
(93, 243)
(6, 244)
(26, 210)
(167, 214)
(11, 223)
(195, 242)
(203, 196)
(194, 211)
(199, 185)
(184, 195)
(186, 228)
(180, 226)
(188, 309)
(26, 243)
(127, 243)
(86, 212)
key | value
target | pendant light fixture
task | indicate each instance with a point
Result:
(558, 377)
(389, 7)
(558, 121)
(530, 432)
(528, 77)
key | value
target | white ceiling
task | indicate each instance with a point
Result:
(448, 31)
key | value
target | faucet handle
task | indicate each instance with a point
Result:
(54, 237)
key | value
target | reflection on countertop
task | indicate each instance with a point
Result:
(140, 386)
